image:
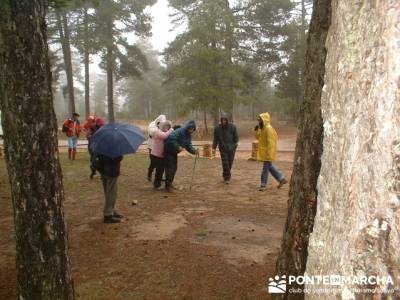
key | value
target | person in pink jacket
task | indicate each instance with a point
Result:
(157, 151)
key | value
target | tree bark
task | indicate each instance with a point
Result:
(64, 33)
(356, 230)
(30, 139)
(110, 71)
(86, 62)
(205, 121)
(303, 185)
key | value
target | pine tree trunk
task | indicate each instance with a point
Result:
(357, 223)
(110, 70)
(86, 62)
(30, 139)
(64, 33)
(205, 121)
(303, 186)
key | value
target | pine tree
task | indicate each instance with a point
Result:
(31, 149)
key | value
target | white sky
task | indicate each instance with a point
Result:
(161, 26)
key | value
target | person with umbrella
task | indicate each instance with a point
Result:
(109, 144)
(177, 141)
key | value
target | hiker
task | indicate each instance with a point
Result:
(91, 125)
(72, 129)
(110, 170)
(267, 148)
(226, 138)
(157, 152)
(177, 141)
(151, 131)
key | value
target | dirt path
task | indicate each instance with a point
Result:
(215, 242)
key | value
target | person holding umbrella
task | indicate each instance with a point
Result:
(267, 148)
(177, 141)
(109, 144)
(226, 138)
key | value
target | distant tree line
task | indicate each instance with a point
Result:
(241, 58)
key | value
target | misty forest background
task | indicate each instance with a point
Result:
(242, 57)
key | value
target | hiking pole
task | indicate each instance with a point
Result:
(194, 169)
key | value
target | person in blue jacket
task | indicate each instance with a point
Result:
(177, 141)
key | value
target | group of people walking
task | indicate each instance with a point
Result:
(165, 142)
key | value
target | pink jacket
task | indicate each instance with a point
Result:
(158, 142)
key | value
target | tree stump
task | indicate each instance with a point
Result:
(207, 151)
(254, 150)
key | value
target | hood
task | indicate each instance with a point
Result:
(190, 124)
(226, 116)
(159, 119)
(164, 126)
(266, 118)
(100, 121)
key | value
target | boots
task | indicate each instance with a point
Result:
(73, 154)
(69, 153)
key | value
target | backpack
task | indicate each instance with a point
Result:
(96, 163)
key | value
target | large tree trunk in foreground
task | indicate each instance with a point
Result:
(30, 136)
(356, 230)
(303, 186)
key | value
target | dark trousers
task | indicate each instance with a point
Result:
(227, 158)
(92, 169)
(159, 163)
(110, 193)
(171, 165)
(152, 165)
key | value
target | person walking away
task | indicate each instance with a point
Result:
(153, 126)
(72, 129)
(110, 170)
(267, 148)
(91, 125)
(226, 138)
(177, 141)
(157, 152)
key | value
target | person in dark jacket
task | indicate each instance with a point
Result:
(110, 170)
(226, 138)
(177, 141)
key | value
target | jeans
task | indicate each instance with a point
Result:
(267, 168)
(72, 142)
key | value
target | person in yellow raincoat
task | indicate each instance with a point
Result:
(267, 148)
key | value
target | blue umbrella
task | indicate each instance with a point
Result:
(116, 139)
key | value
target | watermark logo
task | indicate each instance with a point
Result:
(277, 285)
(332, 284)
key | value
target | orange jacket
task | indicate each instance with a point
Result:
(69, 126)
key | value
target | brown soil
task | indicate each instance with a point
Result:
(213, 242)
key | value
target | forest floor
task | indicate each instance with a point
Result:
(213, 242)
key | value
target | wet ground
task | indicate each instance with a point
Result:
(214, 241)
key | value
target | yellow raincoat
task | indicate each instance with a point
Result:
(267, 140)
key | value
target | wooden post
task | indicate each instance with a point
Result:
(254, 150)
(207, 152)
